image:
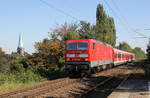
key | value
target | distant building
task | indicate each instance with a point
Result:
(20, 48)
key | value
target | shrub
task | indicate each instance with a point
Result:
(11, 80)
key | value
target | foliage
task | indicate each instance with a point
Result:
(15, 55)
(139, 53)
(18, 75)
(148, 52)
(86, 31)
(10, 80)
(4, 61)
(16, 66)
(49, 53)
(65, 32)
(105, 28)
(125, 46)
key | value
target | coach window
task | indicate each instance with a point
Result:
(115, 55)
(119, 55)
(93, 46)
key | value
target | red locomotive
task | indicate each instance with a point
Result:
(87, 55)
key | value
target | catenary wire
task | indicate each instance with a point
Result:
(59, 10)
(125, 24)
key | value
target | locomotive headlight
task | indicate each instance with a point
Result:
(68, 59)
(70, 55)
(86, 59)
(83, 55)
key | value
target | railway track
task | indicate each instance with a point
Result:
(38, 89)
(86, 85)
(66, 87)
(106, 84)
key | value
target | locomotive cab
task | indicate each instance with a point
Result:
(77, 56)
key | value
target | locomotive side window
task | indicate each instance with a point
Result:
(77, 46)
(93, 46)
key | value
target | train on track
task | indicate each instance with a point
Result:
(85, 56)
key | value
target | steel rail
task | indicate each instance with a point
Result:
(105, 81)
(94, 87)
(48, 89)
(6, 94)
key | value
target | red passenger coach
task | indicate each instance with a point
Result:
(86, 55)
(121, 57)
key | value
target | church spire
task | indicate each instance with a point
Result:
(20, 49)
(20, 44)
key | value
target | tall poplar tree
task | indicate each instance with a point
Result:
(105, 27)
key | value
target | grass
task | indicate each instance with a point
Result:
(14, 80)
(11, 85)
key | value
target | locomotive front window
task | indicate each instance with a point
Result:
(72, 46)
(82, 46)
(77, 46)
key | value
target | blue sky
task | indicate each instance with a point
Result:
(34, 19)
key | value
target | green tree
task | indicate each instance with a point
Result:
(105, 28)
(125, 46)
(86, 31)
(17, 66)
(100, 23)
(139, 53)
(4, 61)
(148, 53)
(112, 32)
(65, 32)
(47, 56)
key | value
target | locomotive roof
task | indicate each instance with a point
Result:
(100, 42)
